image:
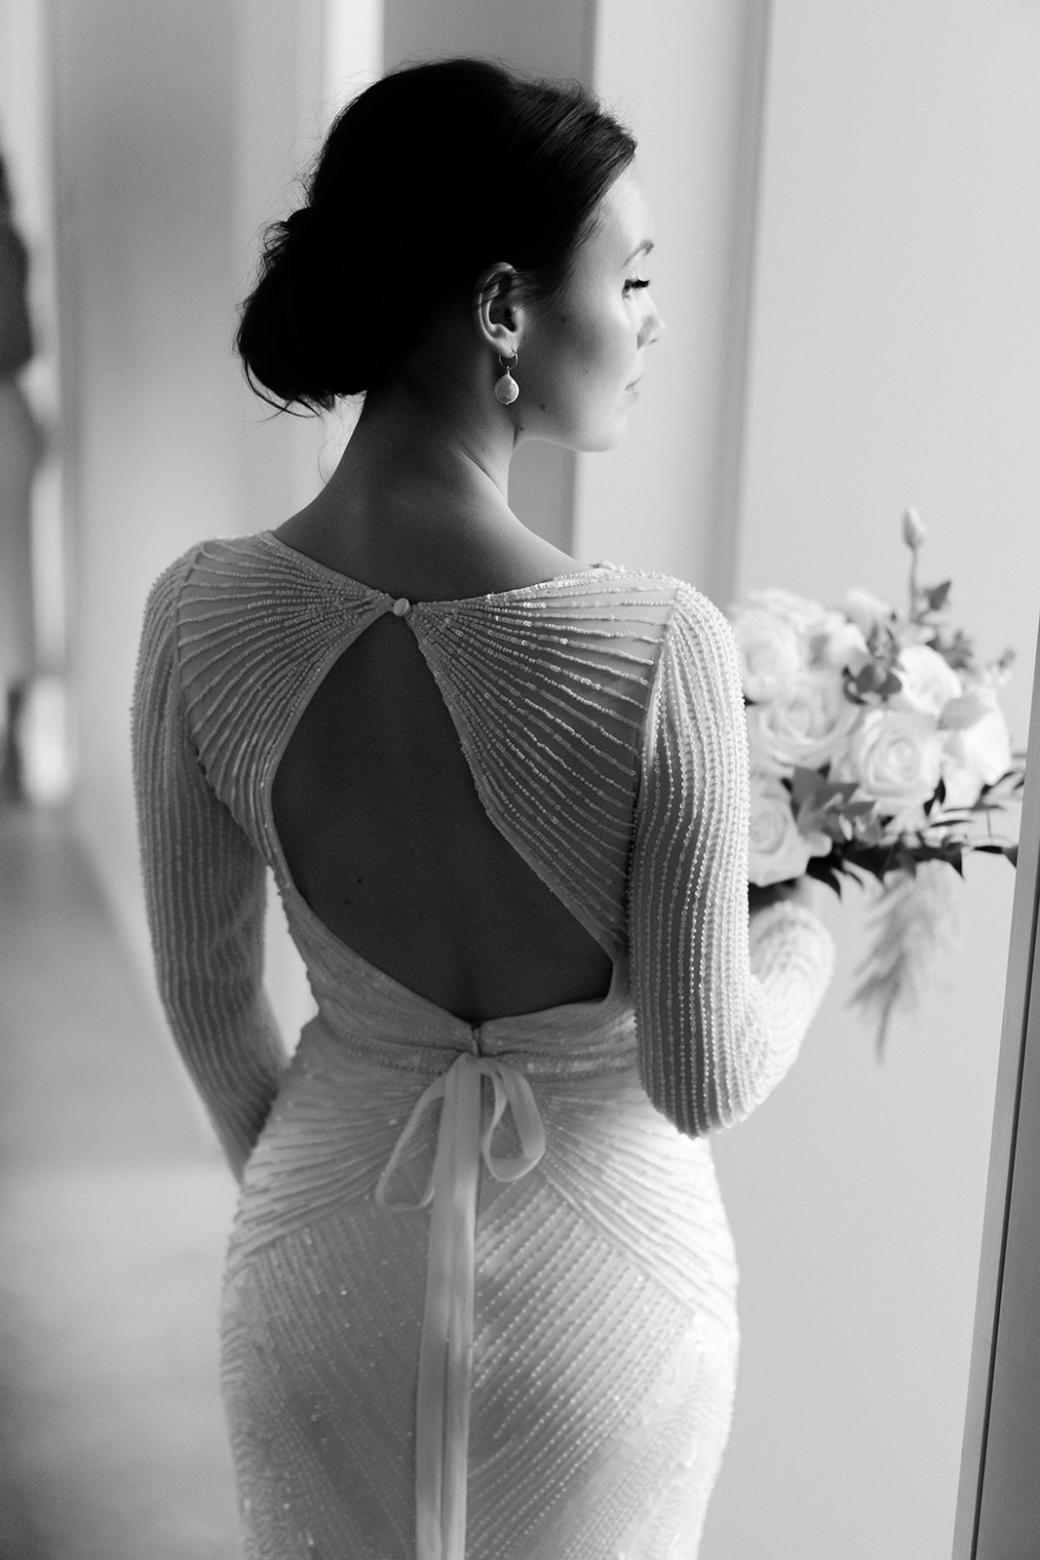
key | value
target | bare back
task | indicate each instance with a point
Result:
(387, 840)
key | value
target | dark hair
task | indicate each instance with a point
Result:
(428, 176)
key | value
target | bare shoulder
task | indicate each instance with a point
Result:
(426, 556)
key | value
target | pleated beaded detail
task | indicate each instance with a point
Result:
(480, 1294)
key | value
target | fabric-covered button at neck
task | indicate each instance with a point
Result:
(401, 606)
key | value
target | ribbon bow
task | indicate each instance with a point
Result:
(446, 1346)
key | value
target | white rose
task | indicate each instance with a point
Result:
(929, 682)
(778, 851)
(799, 611)
(974, 756)
(808, 727)
(914, 529)
(838, 643)
(770, 654)
(895, 756)
(865, 610)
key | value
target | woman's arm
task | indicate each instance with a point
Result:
(205, 895)
(720, 1014)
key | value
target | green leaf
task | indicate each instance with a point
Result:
(1010, 851)
(811, 787)
(937, 595)
(825, 869)
(876, 679)
(959, 652)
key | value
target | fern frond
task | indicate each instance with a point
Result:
(915, 923)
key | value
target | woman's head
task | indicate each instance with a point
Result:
(428, 178)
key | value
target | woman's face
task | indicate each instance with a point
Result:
(582, 353)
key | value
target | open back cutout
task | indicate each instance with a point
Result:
(386, 839)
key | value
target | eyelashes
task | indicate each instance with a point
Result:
(630, 286)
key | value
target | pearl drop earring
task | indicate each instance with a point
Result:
(506, 388)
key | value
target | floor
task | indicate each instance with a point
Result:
(113, 1217)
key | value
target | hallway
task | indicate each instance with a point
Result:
(113, 1217)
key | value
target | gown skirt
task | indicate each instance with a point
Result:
(480, 1296)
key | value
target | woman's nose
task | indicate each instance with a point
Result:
(653, 326)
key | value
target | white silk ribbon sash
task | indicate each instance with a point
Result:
(446, 1345)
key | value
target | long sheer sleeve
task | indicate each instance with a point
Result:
(205, 895)
(720, 1011)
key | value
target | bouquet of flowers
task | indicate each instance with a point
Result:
(878, 749)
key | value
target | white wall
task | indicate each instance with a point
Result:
(895, 331)
(144, 140)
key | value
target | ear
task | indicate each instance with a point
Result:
(498, 309)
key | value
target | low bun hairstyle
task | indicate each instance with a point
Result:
(433, 173)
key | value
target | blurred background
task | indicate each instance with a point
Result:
(848, 245)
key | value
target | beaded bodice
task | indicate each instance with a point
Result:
(601, 716)
(547, 693)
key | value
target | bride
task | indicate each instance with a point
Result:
(480, 1291)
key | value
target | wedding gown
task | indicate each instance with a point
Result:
(480, 1291)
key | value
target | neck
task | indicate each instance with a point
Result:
(435, 442)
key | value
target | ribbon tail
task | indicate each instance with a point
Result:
(429, 1443)
(446, 1344)
(445, 1356)
(460, 1339)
